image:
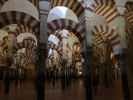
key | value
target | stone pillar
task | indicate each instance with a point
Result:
(119, 24)
(122, 61)
(42, 51)
(87, 72)
(43, 39)
(40, 68)
(87, 55)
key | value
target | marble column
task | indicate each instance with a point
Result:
(87, 55)
(40, 69)
(87, 72)
(42, 51)
(122, 61)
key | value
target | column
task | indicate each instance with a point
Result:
(87, 54)
(42, 50)
(40, 75)
(122, 60)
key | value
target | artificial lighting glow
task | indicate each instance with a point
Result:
(23, 36)
(65, 33)
(53, 39)
(61, 12)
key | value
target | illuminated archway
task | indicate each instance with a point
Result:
(74, 5)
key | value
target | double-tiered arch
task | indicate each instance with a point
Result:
(60, 18)
(26, 18)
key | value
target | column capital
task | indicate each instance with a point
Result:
(121, 10)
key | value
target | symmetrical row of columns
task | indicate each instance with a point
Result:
(121, 60)
(87, 52)
(42, 49)
(20, 20)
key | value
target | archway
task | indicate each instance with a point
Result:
(106, 42)
(61, 26)
(108, 10)
(21, 20)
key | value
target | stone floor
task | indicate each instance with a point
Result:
(52, 92)
(75, 91)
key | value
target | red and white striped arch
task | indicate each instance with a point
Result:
(109, 35)
(29, 42)
(20, 18)
(26, 40)
(57, 34)
(129, 12)
(55, 47)
(66, 24)
(105, 8)
(24, 29)
(58, 47)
